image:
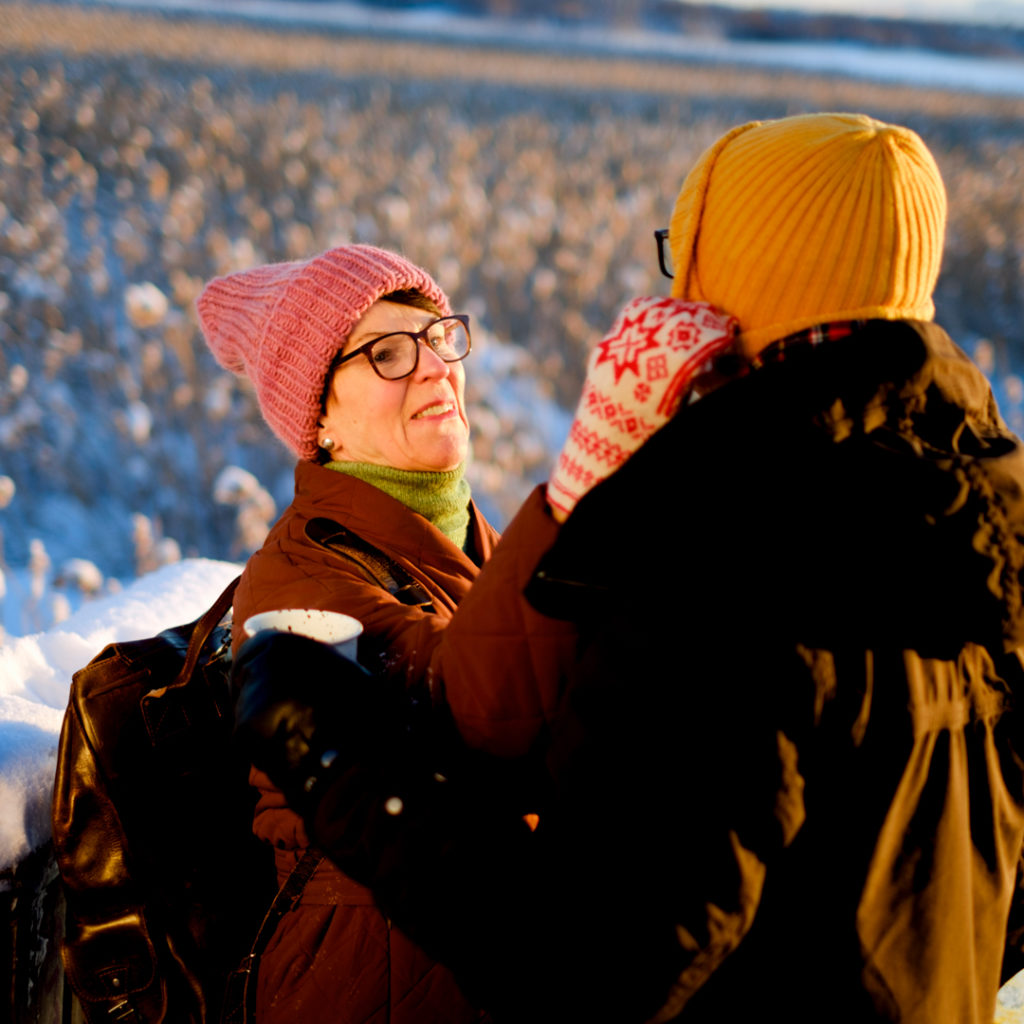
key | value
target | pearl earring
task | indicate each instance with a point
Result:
(327, 444)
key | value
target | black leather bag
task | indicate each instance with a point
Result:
(152, 826)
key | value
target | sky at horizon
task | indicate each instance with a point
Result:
(1004, 12)
(983, 12)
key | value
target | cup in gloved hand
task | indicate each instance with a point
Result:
(334, 628)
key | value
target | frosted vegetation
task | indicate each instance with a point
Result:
(126, 182)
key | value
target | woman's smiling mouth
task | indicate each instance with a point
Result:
(435, 409)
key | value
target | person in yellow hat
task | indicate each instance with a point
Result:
(788, 775)
(819, 686)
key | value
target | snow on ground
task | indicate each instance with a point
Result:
(35, 674)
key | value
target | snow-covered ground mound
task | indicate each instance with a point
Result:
(35, 674)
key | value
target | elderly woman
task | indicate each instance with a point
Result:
(356, 359)
(357, 364)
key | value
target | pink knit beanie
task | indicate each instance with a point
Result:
(283, 323)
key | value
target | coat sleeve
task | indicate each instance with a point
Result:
(502, 665)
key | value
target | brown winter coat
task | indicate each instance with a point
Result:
(336, 957)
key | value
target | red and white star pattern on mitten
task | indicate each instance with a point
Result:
(636, 378)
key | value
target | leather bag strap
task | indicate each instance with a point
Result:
(241, 992)
(201, 632)
(204, 627)
(380, 569)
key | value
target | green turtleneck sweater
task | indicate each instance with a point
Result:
(441, 498)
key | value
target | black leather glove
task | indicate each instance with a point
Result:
(304, 712)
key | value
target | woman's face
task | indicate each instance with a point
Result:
(418, 422)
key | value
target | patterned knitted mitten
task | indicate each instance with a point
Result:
(636, 378)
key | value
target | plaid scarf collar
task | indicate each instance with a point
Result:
(778, 351)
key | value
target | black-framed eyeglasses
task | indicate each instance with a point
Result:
(394, 356)
(664, 252)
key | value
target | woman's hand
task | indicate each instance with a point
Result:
(304, 712)
(636, 378)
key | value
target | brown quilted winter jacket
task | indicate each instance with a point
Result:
(336, 957)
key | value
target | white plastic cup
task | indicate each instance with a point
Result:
(339, 631)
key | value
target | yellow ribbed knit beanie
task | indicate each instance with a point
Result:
(789, 223)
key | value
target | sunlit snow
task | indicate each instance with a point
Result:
(36, 670)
